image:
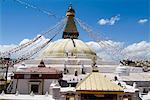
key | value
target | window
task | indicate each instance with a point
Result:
(27, 76)
(34, 76)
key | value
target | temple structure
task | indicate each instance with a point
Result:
(36, 79)
(69, 52)
(68, 70)
(97, 86)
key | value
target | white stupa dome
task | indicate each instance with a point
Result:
(68, 47)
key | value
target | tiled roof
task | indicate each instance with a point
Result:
(97, 82)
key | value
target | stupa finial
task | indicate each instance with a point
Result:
(70, 30)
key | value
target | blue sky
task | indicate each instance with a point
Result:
(18, 22)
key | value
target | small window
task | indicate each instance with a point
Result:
(34, 76)
(27, 76)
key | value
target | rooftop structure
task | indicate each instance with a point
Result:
(34, 79)
(96, 82)
(98, 86)
(69, 46)
(70, 30)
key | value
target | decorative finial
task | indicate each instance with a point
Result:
(70, 5)
(70, 30)
(70, 9)
(41, 64)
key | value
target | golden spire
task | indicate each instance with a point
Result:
(70, 30)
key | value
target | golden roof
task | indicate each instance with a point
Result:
(70, 26)
(96, 82)
(70, 30)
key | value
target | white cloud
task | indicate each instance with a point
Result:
(138, 51)
(24, 41)
(39, 42)
(142, 21)
(110, 21)
(103, 21)
(117, 51)
(4, 48)
(107, 50)
(27, 40)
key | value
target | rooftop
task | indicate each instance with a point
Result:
(43, 70)
(96, 82)
(145, 76)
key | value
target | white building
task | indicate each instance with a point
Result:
(34, 79)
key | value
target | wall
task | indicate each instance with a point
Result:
(23, 85)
